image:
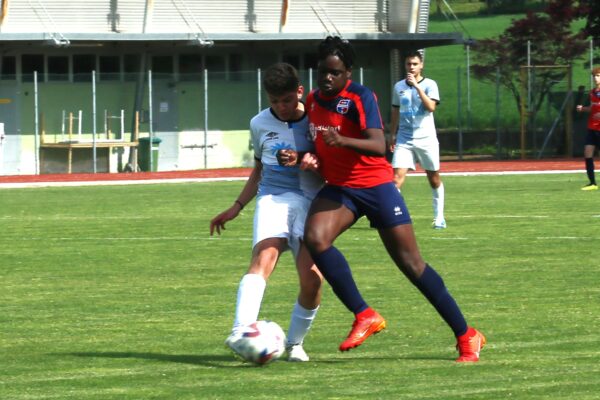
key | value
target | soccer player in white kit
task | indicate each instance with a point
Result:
(283, 195)
(413, 135)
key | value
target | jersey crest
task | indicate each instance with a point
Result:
(343, 106)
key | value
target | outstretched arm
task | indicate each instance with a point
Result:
(246, 195)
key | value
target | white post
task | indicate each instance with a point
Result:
(37, 123)
(79, 113)
(151, 129)
(361, 76)
(94, 160)
(62, 136)
(1, 148)
(205, 118)
(258, 89)
(310, 79)
(122, 125)
(106, 122)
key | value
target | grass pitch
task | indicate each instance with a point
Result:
(118, 292)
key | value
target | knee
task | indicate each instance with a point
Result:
(316, 240)
(412, 267)
(310, 284)
(398, 180)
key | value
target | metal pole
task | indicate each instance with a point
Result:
(258, 90)
(206, 118)
(310, 79)
(150, 112)
(468, 86)
(591, 63)
(94, 154)
(498, 113)
(361, 76)
(459, 122)
(529, 119)
(37, 123)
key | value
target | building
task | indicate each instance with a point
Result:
(63, 58)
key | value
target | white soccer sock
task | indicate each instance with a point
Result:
(300, 324)
(438, 202)
(249, 298)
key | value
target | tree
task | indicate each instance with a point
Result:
(590, 9)
(552, 43)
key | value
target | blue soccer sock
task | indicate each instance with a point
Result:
(335, 269)
(433, 288)
(589, 168)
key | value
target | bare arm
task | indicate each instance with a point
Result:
(395, 116)
(246, 195)
(372, 145)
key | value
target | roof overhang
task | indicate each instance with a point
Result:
(388, 40)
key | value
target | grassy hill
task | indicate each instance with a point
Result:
(472, 106)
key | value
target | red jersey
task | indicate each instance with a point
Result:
(350, 112)
(594, 115)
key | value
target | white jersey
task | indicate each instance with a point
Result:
(415, 121)
(269, 135)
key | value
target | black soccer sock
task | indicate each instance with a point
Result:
(589, 168)
(335, 269)
(433, 288)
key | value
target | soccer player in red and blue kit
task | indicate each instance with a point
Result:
(346, 125)
(592, 140)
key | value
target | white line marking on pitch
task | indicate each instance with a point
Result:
(565, 238)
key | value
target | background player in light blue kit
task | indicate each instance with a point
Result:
(413, 135)
(283, 195)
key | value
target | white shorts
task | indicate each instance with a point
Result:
(281, 216)
(426, 153)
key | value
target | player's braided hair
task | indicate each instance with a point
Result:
(281, 78)
(336, 46)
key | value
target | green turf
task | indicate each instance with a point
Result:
(118, 292)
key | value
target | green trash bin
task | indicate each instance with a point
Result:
(144, 153)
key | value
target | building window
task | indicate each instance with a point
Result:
(190, 67)
(83, 65)
(293, 60)
(9, 68)
(110, 68)
(311, 60)
(216, 67)
(131, 66)
(235, 67)
(162, 67)
(31, 63)
(58, 68)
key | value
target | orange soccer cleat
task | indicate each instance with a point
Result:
(362, 328)
(469, 345)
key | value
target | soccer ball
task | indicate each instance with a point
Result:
(262, 342)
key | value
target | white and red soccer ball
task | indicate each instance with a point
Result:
(262, 342)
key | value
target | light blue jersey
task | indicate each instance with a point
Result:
(415, 121)
(269, 135)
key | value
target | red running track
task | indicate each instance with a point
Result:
(447, 167)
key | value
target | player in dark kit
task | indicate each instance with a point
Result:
(592, 140)
(350, 146)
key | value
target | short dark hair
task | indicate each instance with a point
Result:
(281, 78)
(336, 46)
(596, 71)
(414, 53)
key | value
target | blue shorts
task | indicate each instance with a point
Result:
(383, 205)
(592, 138)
